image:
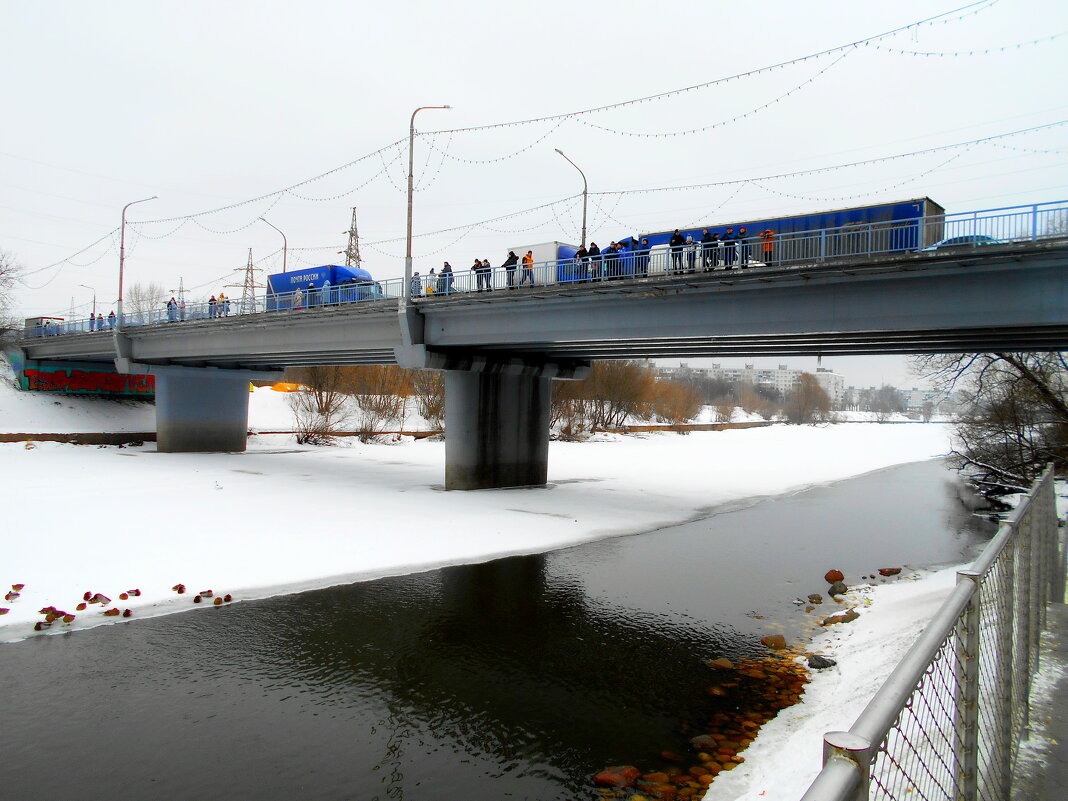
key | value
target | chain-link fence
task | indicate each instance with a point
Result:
(947, 722)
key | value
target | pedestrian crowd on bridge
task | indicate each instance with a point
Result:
(624, 259)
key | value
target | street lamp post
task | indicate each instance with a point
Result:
(94, 296)
(585, 192)
(285, 244)
(122, 251)
(407, 295)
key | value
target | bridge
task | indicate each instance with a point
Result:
(501, 349)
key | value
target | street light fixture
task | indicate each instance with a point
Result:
(285, 244)
(122, 251)
(94, 296)
(585, 192)
(407, 295)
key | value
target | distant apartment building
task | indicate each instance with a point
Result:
(781, 378)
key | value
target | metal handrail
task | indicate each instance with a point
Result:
(1007, 224)
(849, 756)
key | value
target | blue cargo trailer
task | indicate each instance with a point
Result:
(327, 285)
(900, 226)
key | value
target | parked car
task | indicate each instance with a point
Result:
(971, 241)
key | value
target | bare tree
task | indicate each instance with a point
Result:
(428, 388)
(676, 403)
(322, 407)
(381, 396)
(144, 298)
(9, 270)
(1016, 418)
(808, 403)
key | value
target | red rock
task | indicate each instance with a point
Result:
(40, 625)
(124, 596)
(776, 642)
(617, 776)
(68, 618)
(4, 610)
(831, 576)
(80, 607)
(17, 587)
(196, 600)
(179, 588)
(134, 593)
(87, 595)
(722, 663)
(100, 598)
(113, 612)
(217, 601)
(671, 756)
(889, 571)
(11, 596)
(127, 613)
(206, 593)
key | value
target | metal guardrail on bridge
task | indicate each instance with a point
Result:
(947, 722)
(963, 232)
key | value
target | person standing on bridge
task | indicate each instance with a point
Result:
(111, 319)
(446, 278)
(211, 306)
(582, 268)
(595, 261)
(769, 246)
(677, 243)
(100, 322)
(181, 310)
(730, 243)
(417, 285)
(172, 310)
(510, 264)
(298, 298)
(743, 246)
(528, 268)
(707, 245)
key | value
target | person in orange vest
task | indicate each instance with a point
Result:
(768, 235)
(528, 268)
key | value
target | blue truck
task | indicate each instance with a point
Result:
(327, 285)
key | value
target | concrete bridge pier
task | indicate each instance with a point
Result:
(497, 430)
(496, 414)
(201, 410)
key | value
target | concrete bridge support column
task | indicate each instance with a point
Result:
(497, 430)
(200, 409)
(201, 413)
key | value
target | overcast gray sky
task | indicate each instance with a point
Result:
(209, 104)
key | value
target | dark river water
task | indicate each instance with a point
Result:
(518, 678)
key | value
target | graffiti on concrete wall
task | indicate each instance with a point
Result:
(97, 382)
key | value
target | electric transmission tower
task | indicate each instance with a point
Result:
(352, 252)
(248, 286)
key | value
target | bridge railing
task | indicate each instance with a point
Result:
(963, 232)
(947, 722)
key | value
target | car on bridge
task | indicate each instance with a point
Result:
(970, 241)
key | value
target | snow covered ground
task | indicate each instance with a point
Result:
(283, 518)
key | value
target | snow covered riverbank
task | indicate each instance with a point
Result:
(282, 518)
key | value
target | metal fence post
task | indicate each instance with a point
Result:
(966, 706)
(844, 747)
